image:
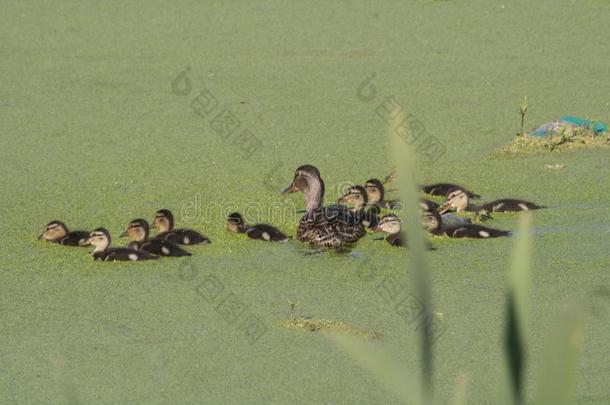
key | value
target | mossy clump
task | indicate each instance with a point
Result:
(326, 326)
(569, 138)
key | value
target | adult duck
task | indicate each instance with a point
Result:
(332, 227)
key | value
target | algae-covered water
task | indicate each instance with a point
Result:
(111, 111)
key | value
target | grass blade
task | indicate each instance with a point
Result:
(518, 307)
(405, 162)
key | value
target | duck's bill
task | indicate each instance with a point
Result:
(444, 209)
(342, 200)
(123, 234)
(40, 237)
(86, 242)
(290, 189)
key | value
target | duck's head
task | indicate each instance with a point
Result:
(307, 180)
(163, 220)
(137, 230)
(100, 238)
(355, 196)
(236, 223)
(54, 230)
(374, 190)
(456, 200)
(389, 224)
(431, 220)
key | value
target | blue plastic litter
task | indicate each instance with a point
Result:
(571, 122)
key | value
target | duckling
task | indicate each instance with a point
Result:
(376, 192)
(138, 231)
(433, 222)
(331, 227)
(390, 224)
(356, 197)
(100, 238)
(460, 201)
(57, 232)
(442, 189)
(264, 232)
(164, 222)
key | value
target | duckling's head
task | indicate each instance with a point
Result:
(355, 196)
(389, 224)
(431, 220)
(236, 223)
(53, 231)
(137, 230)
(163, 220)
(455, 200)
(307, 180)
(374, 190)
(100, 238)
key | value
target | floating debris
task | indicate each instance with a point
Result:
(556, 166)
(326, 326)
(569, 124)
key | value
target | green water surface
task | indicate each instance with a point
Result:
(98, 127)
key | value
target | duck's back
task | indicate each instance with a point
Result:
(266, 232)
(123, 254)
(333, 227)
(74, 238)
(510, 204)
(184, 237)
(159, 247)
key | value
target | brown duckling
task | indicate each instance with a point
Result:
(164, 222)
(100, 238)
(433, 222)
(268, 233)
(390, 224)
(57, 232)
(376, 193)
(332, 227)
(356, 197)
(138, 231)
(442, 189)
(459, 201)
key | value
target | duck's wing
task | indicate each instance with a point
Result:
(511, 204)
(442, 189)
(126, 254)
(187, 237)
(74, 238)
(266, 232)
(163, 247)
(331, 226)
(476, 231)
